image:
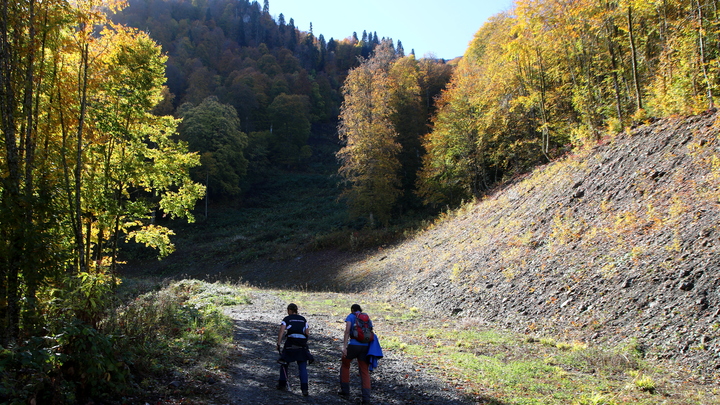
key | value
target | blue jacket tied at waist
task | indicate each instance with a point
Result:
(374, 353)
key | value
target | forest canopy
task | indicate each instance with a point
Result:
(283, 82)
(551, 75)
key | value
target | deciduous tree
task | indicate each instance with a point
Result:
(213, 130)
(84, 163)
(369, 161)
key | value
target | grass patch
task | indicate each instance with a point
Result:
(178, 332)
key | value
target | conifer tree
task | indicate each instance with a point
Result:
(400, 49)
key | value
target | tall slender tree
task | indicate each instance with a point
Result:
(369, 159)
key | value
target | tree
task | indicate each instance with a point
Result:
(453, 168)
(84, 163)
(213, 130)
(290, 120)
(409, 120)
(481, 129)
(369, 162)
(400, 49)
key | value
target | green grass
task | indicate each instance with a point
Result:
(279, 219)
(287, 214)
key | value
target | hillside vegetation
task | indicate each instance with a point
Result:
(615, 243)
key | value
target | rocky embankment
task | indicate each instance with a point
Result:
(614, 245)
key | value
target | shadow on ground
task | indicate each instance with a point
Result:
(255, 371)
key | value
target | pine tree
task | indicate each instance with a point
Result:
(400, 49)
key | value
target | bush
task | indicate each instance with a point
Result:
(152, 336)
(76, 364)
(182, 321)
(26, 371)
(90, 361)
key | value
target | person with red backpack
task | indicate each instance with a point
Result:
(356, 342)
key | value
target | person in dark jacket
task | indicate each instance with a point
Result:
(295, 349)
(352, 349)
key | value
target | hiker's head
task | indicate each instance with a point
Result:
(292, 308)
(355, 308)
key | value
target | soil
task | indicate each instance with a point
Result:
(255, 371)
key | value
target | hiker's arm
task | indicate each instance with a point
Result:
(280, 336)
(346, 338)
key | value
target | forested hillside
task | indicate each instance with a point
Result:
(536, 82)
(283, 83)
(552, 75)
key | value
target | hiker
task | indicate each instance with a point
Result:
(354, 349)
(295, 349)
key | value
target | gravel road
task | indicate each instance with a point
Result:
(255, 371)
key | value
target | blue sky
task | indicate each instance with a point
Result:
(443, 28)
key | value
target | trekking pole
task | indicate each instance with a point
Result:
(284, 368)
(287, 380)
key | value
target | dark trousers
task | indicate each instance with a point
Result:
(302, 367)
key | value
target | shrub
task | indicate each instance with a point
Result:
(182, 321)
(72, 366)
(92, 352)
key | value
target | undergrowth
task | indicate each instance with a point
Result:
(177, 332)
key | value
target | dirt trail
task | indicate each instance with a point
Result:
(255, 372)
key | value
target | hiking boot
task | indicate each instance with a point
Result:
(305, 393)
(304, 389)
(365, 396)
(344, 394)
(282, 386)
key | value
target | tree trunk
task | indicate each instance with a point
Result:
(16, 67)
(636, 78)
(543, 107)
(703, 62)
(84, 60)
(611, 29)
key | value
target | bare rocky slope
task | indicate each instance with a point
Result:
(614, 245)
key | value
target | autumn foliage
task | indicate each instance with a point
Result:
(84, 164)
(553, 74)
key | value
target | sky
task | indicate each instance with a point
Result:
(440, 27)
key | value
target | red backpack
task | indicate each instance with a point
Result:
(361, 331)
